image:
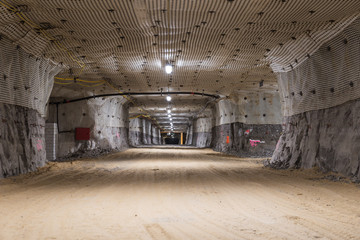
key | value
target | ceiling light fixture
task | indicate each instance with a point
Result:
(168, 68)
(168, 98)
(169, 111)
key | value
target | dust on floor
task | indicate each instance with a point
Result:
(176, 194)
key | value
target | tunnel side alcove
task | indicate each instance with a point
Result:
(106, 119)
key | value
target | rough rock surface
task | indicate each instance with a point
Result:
(143, 132)
(107, 119)
(327, 138)
(201, 139)
(247, 140)
(135, 138)
(22, 140)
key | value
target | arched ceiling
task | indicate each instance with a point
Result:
(215, 46)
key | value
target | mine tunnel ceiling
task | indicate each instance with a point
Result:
(217, 47)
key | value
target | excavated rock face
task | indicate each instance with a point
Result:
(321, 102)
(246, 140)
(222, 129)
(26, 83)
(202, 139)
(106, 119)
(143, 132)
(327, 138)
(247, 124)
(22, 140)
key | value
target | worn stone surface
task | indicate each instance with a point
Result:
(202, 139)
(250, 140)
(189, 135)
(155, 135)
(143, 132)
(22, 140)
(135, 138)
(327, 138)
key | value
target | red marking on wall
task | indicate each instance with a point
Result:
(247, 132)
(227, 139)
(82, 133)
(39, 145)
(118, 135)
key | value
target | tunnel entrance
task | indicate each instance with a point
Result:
(174, 138)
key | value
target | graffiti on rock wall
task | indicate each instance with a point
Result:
(254, 143)
(247, 132)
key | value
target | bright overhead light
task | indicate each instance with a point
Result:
(168, 98)
(169, 116)
(170, 119)
(169, 111)
(168, 68)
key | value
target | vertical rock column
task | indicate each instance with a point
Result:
(202, 126)
(136, 132)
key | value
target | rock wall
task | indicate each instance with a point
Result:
(22, 140)
(246, 140)
(26, 83)
(247, 124)
(189, 135)
(156, 135)
(107, 119)
(143, 132)
(322, 126)
(202, 134)
(327, 138)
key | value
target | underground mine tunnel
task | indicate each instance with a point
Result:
(162, 119)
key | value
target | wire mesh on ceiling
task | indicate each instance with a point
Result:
(218, 46)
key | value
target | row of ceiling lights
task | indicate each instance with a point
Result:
(169, 70)
(170, 118)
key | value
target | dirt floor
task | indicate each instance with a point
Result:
(176, 194)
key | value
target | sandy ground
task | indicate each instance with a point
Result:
(176, 194)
